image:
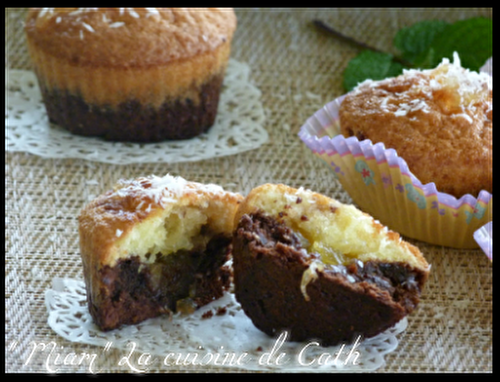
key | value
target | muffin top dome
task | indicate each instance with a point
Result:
(439, 120)
(169, 211)
(129, 37)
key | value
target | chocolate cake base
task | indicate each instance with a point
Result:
(132, 291)
(133, 121)
(340, 304)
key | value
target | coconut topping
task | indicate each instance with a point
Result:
(129, 37)
(47, 12)
(117, 24)
(50, 12)
(464, 89)
(309, 275)
(163, 190)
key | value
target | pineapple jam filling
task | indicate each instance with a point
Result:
(400, 280)
(337, 241)
(327, 254)
(181, 243)
(338, 235)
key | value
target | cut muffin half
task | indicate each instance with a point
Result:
(319, 269)
(155, 245)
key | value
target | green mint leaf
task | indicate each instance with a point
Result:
(423, 45)
(414, 42)
(472, 39)
(370, 65)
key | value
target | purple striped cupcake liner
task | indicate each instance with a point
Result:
(380, 183)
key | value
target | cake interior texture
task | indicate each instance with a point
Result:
(173, 261)
(133, 120)
(338, 232)
(321, 270)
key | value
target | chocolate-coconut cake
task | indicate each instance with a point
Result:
(319, 269)
(155, 245)
(131, 74)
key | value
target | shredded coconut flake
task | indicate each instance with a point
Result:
(163, 190)
(469, 85)
(88, 27)
(152, 11)
(464, 115)
(82, 10)
(413, 105)
(117, 24)
(45, 11)
(133, 13)
(309, 275)
(350, 279)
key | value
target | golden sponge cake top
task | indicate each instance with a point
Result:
(440, 121)
(129, 37)
(153, 215)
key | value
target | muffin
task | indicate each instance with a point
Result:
(131, 74)
(155, 245)
(319, 269)
(440, 121)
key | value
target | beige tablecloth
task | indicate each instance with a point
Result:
(298, 69)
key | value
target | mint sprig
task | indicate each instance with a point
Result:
(472, 39)
(370, 64)
(422, 45)
(415, 42)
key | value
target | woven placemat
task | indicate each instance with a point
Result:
(298, 69)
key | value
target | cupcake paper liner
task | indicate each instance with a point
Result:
(484, 237)
(381, 184)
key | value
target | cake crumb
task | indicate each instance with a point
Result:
(221, 311)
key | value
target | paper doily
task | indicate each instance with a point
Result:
(227, 338)
(238, 127)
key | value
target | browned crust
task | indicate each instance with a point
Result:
(86, 38)
(129, 204)
(438, 145)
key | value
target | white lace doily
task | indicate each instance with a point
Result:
(227, 340)
(238, 127)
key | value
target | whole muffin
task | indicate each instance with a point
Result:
(131, 74)
(440, 121)
(320, 269)
(155, 245)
